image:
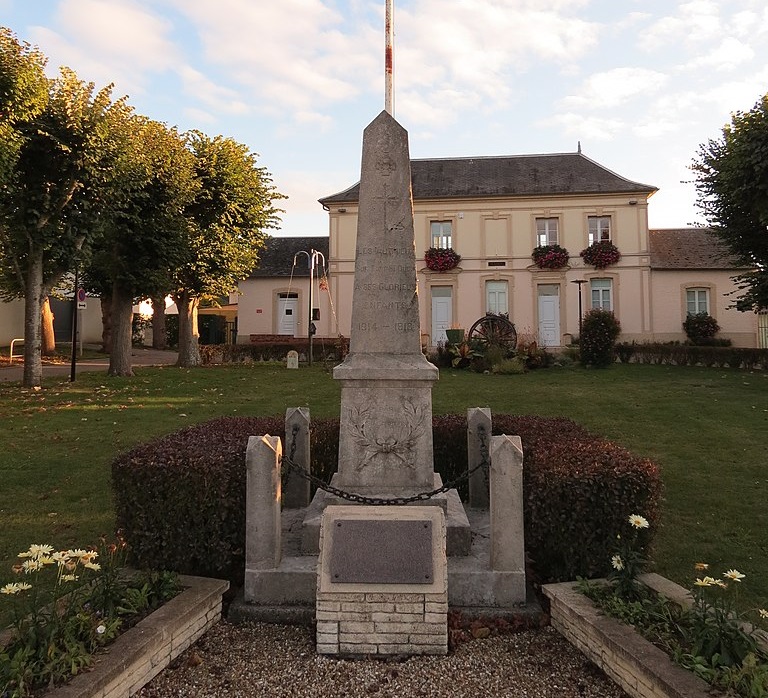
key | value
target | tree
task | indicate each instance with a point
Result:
(145, 235)
(228, 219)
(55, 194)
(731, 178)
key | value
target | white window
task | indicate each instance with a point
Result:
(601, 293)
(496, 297)
(697, 300)
(441, 234)
(546, 231)
(599, 228)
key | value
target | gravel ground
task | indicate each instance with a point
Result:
(256, 659)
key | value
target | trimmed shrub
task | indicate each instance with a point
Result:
(599, 331)
(180, 499)
(700, 328)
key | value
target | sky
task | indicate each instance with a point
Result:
(641, 84)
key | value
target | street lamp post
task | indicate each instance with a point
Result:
(313, 256)
(580, 283)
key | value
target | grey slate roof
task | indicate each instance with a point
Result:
(688, 248)
(516, 175)
(277, 257)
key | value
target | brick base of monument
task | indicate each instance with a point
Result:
(386, 624)
(382, 582)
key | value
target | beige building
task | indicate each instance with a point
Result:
(493, 211)
(274, 299)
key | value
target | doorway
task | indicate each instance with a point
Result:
(442, 313)
(549, 315)
(287, 313)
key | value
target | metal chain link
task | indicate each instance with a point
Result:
(290, 466)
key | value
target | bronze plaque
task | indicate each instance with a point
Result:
(377, 551)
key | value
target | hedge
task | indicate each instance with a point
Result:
(322, 350)
(180, 499)
(692, 355)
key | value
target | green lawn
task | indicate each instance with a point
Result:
(707, 428)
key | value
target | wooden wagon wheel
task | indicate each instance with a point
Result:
(494, 330)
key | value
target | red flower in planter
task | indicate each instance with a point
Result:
(550, 256)
(601, 254)
(438, 259)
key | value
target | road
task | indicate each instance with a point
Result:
(139, 357)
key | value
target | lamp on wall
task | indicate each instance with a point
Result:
(579, 283)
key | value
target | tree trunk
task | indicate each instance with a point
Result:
(106, 323)
(159, 338)
(189, 351)
(122, 318)
(33, 301)
(46, 331)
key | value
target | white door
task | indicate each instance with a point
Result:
(442, 313)
(287, 314)
(549, 315)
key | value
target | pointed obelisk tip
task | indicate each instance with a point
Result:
(384, 120)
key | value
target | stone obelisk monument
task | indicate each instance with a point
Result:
(385, 444)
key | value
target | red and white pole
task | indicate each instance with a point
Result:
(388, 80)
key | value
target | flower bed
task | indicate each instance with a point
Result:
(642, 670)
(139, 654)
(653, 619)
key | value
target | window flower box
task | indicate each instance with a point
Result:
(441, 260)
(601, 254)
(550, 256)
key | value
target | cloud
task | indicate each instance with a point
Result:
(728, 55)
(615, 87)
(592, 128)
(696, 22)
(306, 55)
(117, 42)
(220, 99)
(295, 53)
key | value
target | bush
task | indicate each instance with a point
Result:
(700, 328)
(599, 331)
(180, 499)
(322, 350)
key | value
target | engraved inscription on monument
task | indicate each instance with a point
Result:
(385, 442)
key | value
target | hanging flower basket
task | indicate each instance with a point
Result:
(550, 256)
(601, 254)
(438, 259)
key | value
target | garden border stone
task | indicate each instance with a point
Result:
(142, 652)
(640, 668)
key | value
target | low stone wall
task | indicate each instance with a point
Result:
(640, 668)
(139, 654)
(382, 624)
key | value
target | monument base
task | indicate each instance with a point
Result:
(459, 535)
(287, 593)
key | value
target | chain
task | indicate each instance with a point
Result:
(290, 466)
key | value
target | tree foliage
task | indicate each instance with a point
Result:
(146, 235)
(53, 198)
(228, 217)
(731, 178)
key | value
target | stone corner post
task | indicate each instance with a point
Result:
(478, 447)
(506, 505)
(262, 505)
(296, 492)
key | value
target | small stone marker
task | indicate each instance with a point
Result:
(382, 584)
(293, 359)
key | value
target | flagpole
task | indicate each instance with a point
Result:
(389, 40)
